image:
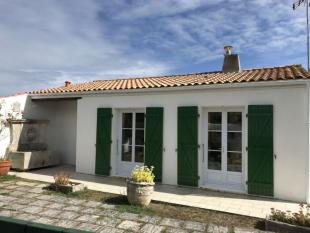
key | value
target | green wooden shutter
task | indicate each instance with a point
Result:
(260, 150)
(188, 146)
(154, 140)
(103, 142)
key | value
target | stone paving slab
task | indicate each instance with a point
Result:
(93, 216)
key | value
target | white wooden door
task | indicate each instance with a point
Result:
(132, 141)
(223, 157)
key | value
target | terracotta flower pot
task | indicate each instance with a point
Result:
(139, 193)
(5, 167)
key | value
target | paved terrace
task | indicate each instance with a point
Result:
(194, 197)
(27, 201)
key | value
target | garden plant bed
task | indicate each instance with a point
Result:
(72, 187)
(276, 226)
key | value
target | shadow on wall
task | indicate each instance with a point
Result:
(31, 128)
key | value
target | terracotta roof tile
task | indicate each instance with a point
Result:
(253, 75)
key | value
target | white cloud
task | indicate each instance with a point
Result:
(45, 42)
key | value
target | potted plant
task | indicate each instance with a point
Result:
(5, 165)
(140, 186)
(63, 184)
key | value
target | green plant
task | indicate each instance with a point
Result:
(300, 218)
(62, 178)
(143, 174)
(4, 158)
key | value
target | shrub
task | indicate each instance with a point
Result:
(300, 218)
(62, 178)
(4, 158)
(143, 174)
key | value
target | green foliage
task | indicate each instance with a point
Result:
(4, 158)
(7, 178)
(300, 218)
(143, 174)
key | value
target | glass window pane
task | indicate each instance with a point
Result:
(126, 153)
(215, 160)
(127, 120)
(139, 154)
(234, 121)
(140, 137)
(140, 120)
(127, 136)
(234, 162)
(215, 120)
(215, 140)
(234, 141)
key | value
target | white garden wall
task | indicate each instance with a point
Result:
(290, 129)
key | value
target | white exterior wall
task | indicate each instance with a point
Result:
(61, 132)
(290, 129)
(5, 109)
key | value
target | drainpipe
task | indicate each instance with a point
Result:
(308, 154)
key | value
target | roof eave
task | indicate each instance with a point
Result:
(173, 89)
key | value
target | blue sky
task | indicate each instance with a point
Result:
(45, 42)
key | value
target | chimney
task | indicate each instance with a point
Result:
(68, 83)
(231, 61)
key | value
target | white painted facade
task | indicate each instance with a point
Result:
(72, 127)
(291, 129)
(61, 131)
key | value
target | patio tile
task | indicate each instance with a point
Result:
(129, 216)
(150, 219)
(26, 217)
(23, 183)
(45, 197)
(75, 201)
(37, 190)
(92, 204)
(66, 223)
(197, 226)
(14, 206)
(217, 229)
(88, 227)
(17, 193)
(23, 201)
(172, 222)
(106, 221)
(110, 230)
(88, 218)
(7, 199)
(7, 213)
(176, 230)
(150, 228)
(68, 215)
(11, 187)
(244, 230)
(50, 213)
(109, 213)
(33, 209)
(31, 195)
(72, 208)
(41, 203)
(130, 225)
(54, 205)
(45, 220)
(90, 211)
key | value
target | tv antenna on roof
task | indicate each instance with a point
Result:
(295, 6)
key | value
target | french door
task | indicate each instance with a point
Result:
(132, 141)
(222, 154)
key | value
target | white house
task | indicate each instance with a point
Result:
(236, 130)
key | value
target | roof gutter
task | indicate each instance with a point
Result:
(64, 95)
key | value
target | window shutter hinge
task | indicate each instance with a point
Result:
(247, 182)
(247, 115)
(246, 149)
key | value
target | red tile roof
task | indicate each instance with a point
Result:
(292, 72)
